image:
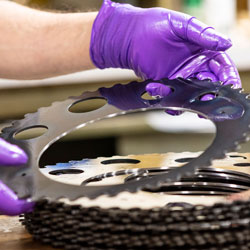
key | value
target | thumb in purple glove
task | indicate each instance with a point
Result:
(11, 155)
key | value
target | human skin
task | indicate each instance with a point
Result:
(36, 44)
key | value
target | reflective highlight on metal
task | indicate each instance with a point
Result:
(229, 111)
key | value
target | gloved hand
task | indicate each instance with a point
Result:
(11, 155)
(158, 43)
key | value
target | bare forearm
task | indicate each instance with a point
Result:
(36, 44)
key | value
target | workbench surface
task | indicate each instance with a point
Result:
(13, 236)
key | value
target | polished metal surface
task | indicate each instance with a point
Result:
(229, 111)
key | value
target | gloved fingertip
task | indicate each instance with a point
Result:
(158, 89)
(10, 204)
(26, 206)
(206, 75)
(206, 37)
(18, 158)
(224, 44)
(21, 207)
(215, 41)
(107, 2)
(11, 154)
(207, 97)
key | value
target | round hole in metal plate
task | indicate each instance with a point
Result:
(66, 171)
(242, 164)
(178, 205)
(237, 156)
(182, 160)
(120, 161)
(87, 105)
(147, 96)
(31, 132)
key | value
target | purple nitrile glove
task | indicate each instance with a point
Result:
(11, 155)
(158, 43)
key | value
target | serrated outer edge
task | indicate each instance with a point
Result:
(137, 185)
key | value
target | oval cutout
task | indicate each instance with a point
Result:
(179, 205)
(120, 161)
(31, 132)
(87, 105)
(66, 171)
(147, 96)
(242, 164)
(237, 156)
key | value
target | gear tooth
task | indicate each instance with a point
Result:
(243, 94)
(228, 86)
(6, 129)
(28, 114)
(54, 104)
(224, 153)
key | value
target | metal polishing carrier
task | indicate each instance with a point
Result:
(229, 111)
